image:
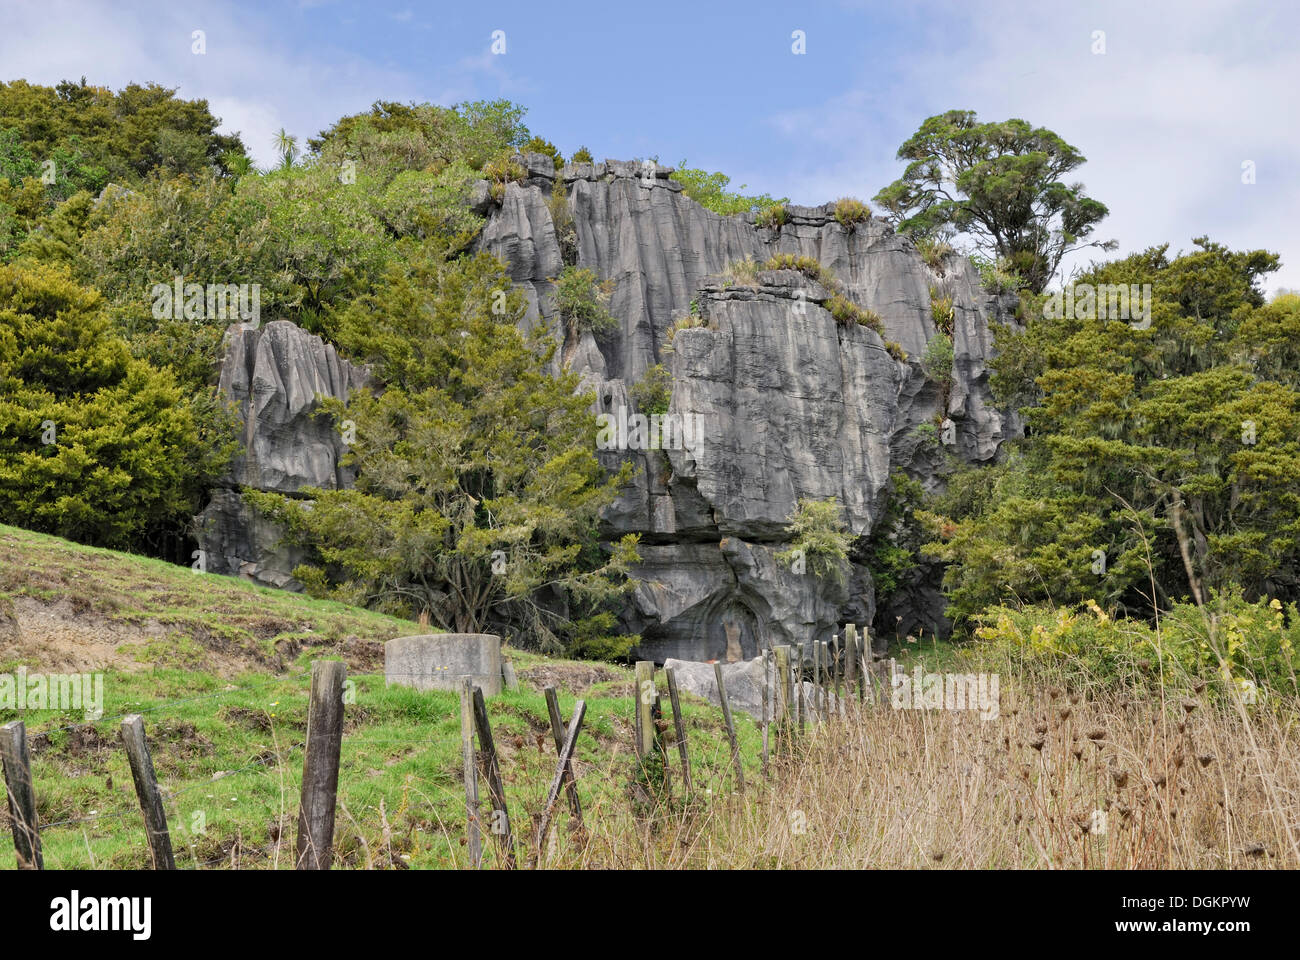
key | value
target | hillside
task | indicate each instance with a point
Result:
(81, 608)
(219, 669)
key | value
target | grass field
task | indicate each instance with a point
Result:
(1070, 774)
(219, 669)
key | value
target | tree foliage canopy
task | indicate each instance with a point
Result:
(998, 183)
(478, 489)
(1173, 446)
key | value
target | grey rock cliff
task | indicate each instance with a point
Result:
(274, 376)
(793, 405)
(790, 404)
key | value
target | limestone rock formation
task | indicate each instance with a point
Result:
(744, 682)
(274, 375)
(792, 404)
(772, 399)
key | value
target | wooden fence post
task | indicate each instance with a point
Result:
(22, 798)
(566, 756)
(767, 703)
(146, 788)
(320, 766)
(557, 733)
(679, 730)
(803, 703)
(469, 772)
(850, 659)
(784, 692)
(818, 713)
(645, 698)
(824, 649)
(496, 790)
(731, 727)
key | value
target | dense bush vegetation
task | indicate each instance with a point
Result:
(710, 190)
(95, 445)
(1162, 457)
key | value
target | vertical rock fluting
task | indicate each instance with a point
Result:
(792, 404)
(273, 377)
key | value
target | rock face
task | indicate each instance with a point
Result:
(792, 405)
(274, 375)
(774, 400)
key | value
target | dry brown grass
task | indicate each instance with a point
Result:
(1189, 784)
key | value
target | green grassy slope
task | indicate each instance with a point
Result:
(223, 692)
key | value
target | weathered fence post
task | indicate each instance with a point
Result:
(557, 733)
(645, 698)
(679, 729)
(496, 790)
(839, 676)
(818, 713)
(783, 694)
(22, 798)
(850, 659)
(767, 704)
(320, 765)
(469, 766)
(798, 680)
(825, 649)
(731, 727)
(146, 788)
(566, 756)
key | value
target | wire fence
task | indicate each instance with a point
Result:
(648, 727)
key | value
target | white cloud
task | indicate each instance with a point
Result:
(1183, 94)
(252, 77)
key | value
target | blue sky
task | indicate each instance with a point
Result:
(1182, 96)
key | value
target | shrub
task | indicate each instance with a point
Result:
(933, 251)
(846, 312)
(1254, 642)
(928, 434)
(810, 268)
(818, 537)
(582, 155)
(998, 276)
(710, 190)
(96, 445)
(500, 170)
(684, 322)
(850, 211)
(938, 359)
(566, 231)
(942, 311)
(538, 145)
(653, 391)
(742, 272)
(583, 302)
(771, 217)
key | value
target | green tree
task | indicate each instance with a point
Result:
(95, 136)
(423, 136)
(95, 445)
(710, 190)
(478, 489)
(1172, 444)
(583, 302)
(999, 184)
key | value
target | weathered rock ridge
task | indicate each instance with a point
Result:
(274, 376)
(792, 404)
